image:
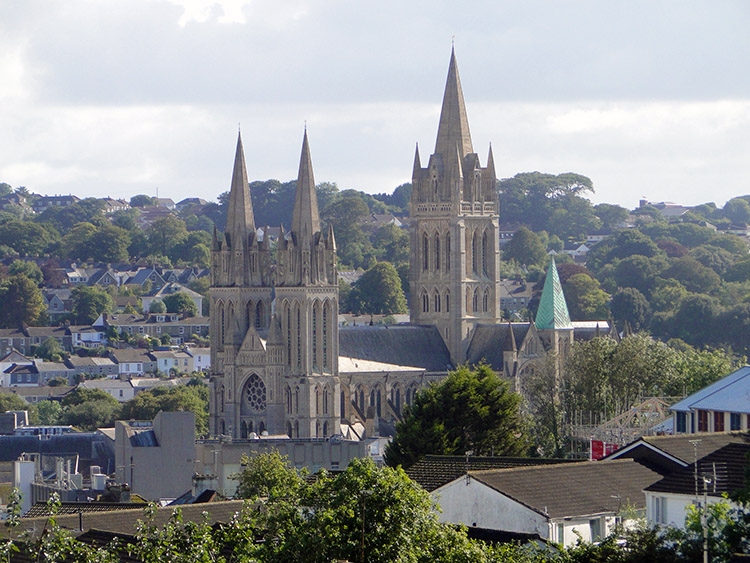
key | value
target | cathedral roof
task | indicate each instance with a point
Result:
(413, 346)
(553, 311)
(488, 342)
(454, 124)
(240, 218)
(305, 219)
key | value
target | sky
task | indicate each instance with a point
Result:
(648, 98)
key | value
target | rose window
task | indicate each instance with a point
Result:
(255, 394)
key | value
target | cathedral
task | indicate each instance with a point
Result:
(281, 364)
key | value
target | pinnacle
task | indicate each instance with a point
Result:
(305, 219)
(454, 124)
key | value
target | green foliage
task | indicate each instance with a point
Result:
(268, 475)
(469, 410)
(193, 398)
(378, 291)
(629, 306)
(12, 402)
(27, 238)
(525, 248)
(50, 350)
(21, 302)
(586, 300)
(88, 302)
(28, 269)
(157, 306)
(49, 412)
(180, 302)
(141, 200)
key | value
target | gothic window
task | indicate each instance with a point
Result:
(298, 329)
(437, 252)
(377, 403)
(468, 300)
(223, 427)
(484, 253)
(315, 336)
(317, 401)
(398, 400)
(289, 429)
(408, 396)
(325, 429)
(255, 394)
(296, 428)
(425, 302)
(262, 427)
(436, 301)
(447, 301)
(325, 335)
(288, 394)
(317, 429)
(362, 400)
(474, 254)
(372, 398)
(425, 252)
(260, 314)
(475, 300)
(230, 317)
(485, 300)
(296, 400)
(288, 335)
(325, 400)
(249, 312)
(221, 393)
(343, 404)
(222, 332)
(448, 252)
(435, 188)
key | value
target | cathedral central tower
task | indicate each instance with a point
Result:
(455, 265)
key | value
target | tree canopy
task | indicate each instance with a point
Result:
(471, 410)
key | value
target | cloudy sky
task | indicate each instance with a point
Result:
(119, 97)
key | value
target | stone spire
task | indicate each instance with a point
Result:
(417, 163)
(553, 311)
(305, 219)
(240, 218)
(454, 124)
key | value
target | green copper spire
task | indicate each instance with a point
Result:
(553, 311)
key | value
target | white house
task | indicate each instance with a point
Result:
(119, 389)
(557, 502)
(718, 474)
(201, 358)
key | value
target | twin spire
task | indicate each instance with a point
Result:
(240, 217)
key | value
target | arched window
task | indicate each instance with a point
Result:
(289, 429)
(484, 253)
(296, 400)
(250, 313)
(398, 400)
(474, 254)
(425, 252)
(448, 301)
(342, 406)
(486, 300)
(425, 302)
(468, 300)
(317, 429)
(436, 301)
(288, 393)
(243, 430)
(437, 252)
(317, 402)
(325, 429)
(377, 403)
(298, 329)
(296, 428)
(260, 314)
(325, 335)
(222, 326)
(315, 335)
(362, 401)
(448, 252)
(288, 335)
(250, 426)
(408, 396)
(475, 301)
(262, 427)
(325, 400)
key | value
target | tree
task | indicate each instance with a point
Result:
(267, 475)
(28, 269)
(21, 302)
(469, 410)
(157, 306)
(378, 291)
(737, 210)
(180, 302)
(49, 350)
(586, 300)
(693, 275)
(89, 303)
(141, 200)
(12, 402)
(630, 306)
(525, 248)
(27, 238)
(193, 398)
(392, 244)
(610, 215)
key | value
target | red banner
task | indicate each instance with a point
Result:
(599, 449)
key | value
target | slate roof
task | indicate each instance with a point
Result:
(74, 507)
(414, 346)
(725, 467)
(573, 489)
(490, 341)
(434, 471)
(730, 394)
(124, 521)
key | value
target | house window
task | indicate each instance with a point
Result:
(660, 510)
(561, 533)
(718, 421)
(735, 422)
(702, 421)
(596, 528)
(680, 422)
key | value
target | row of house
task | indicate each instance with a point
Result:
(155, 325)
(16, 370)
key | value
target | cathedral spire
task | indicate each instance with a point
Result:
(454, 124)
(305, 219)
(417, 163)
(240, 219)
(553, 311)
(491, 163)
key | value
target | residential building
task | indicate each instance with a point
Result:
(133, 362)
(92, 366)
(122, 390)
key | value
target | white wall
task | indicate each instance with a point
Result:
(475, 504)
(676, 510)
